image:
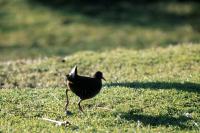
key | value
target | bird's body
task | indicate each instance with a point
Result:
(84, 87)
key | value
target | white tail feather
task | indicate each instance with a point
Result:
(73, 71)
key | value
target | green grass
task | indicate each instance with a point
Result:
(149, 54)
(146, 91)
(30, 29)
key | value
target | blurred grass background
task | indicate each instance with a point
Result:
(35, 28)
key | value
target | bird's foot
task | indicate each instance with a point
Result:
(68, 112)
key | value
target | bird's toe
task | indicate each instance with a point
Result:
(68, 112)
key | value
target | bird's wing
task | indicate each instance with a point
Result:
(86, 82)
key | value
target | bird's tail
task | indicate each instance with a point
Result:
(72, 75)
(73, 72)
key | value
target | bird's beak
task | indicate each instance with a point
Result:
(103, 78)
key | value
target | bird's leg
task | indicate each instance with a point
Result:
(67, 100)
(79, 105)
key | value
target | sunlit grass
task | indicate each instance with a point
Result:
(114, 109)
(146, 91)
(179, 64)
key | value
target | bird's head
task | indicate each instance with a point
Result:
(99, 75)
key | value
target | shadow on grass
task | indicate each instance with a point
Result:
(187, 86)
(147, 14)
(164, 120)
(115, 13)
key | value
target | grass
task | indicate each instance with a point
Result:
(146, 91)
(149, 54)
(30, 29)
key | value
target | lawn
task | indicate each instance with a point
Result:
(150, 90)
(149, 54)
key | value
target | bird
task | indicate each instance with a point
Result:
(84, 87)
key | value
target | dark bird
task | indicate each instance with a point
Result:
(83, 87)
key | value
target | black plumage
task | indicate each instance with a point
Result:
(84, 87)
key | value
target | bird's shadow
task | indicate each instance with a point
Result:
(158, 120)
(186, 86)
